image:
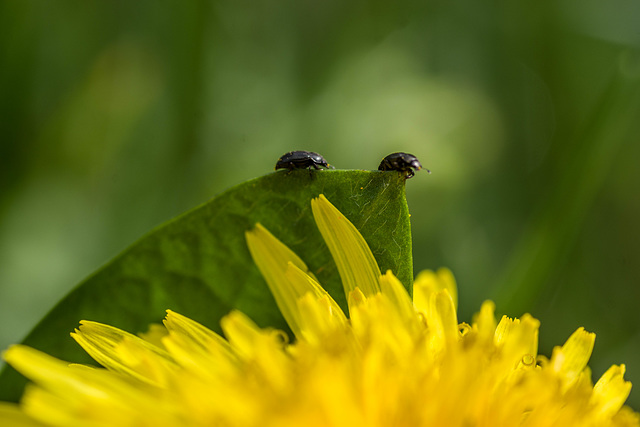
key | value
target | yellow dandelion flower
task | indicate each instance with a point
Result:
(390, 362)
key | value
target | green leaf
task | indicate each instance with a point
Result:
(198, 264)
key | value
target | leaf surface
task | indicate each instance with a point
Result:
(198, 264)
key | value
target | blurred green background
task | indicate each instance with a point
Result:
(119, 115)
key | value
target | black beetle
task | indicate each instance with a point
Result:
(401, 162)
(301, 160)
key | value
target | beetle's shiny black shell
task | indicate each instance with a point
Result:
(301, 160)
(401, 162)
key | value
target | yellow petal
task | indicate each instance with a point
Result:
(273, 258)
(442, 320)
(121, 351)
(196, 334)
(35, 364)
(11, 415)
(356, 297)
(154, 334)
(67, 394)
(517, 338)
(58, 376)
(485, 322)
(241, 333)
(195, 347)
(306, 284)
(626, 417)
(571, 359)
(260, 349)
(397, 294)
(355, 262)
(281, 255)
(611, 391)
(319, 318)
(428, 282)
